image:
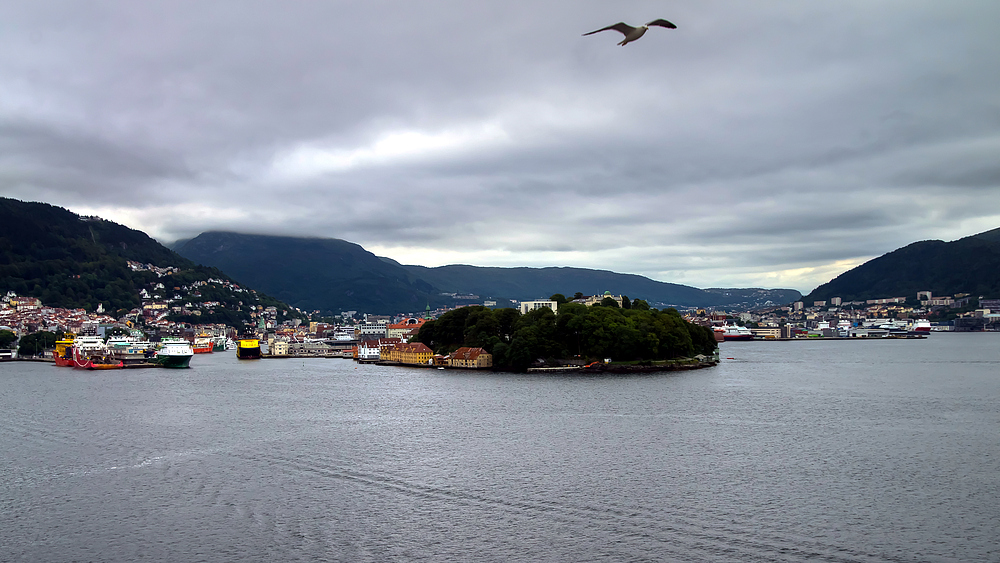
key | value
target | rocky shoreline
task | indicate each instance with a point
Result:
(644, 367)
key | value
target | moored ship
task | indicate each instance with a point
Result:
(63, 354)
(734, 332)
(131, 350)
(248, 348)
(203, 345)
(174, 353)
(220, 343)
(92, 360)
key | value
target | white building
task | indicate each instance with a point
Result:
(528, 306)
(368, 350)
(370, 331)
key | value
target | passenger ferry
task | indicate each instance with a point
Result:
(733, 332)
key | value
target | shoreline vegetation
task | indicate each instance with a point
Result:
(634, 339)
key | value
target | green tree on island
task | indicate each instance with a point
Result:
(516, 341)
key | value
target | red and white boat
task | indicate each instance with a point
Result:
(732, 332)
(203, 345)
(921, 325)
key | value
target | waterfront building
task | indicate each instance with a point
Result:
(768, 332)
(368, 350)
(416, 353)
(470, 358)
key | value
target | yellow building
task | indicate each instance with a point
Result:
(416, 353)
(470, 358)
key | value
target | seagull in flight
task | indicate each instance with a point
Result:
(633, 33)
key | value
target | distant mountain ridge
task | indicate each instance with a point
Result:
(313, 273)
(335, 275)
(967, 265)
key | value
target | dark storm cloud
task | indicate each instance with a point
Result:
(76, 160)
(758, 144)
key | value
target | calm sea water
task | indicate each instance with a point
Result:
(818, 451)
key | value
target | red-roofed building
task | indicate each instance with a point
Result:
(368, 350)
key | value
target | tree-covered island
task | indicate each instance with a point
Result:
(575, 332)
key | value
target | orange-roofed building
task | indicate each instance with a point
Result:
(401, 328)
(471, 358)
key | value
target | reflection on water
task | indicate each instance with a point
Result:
(828, 451)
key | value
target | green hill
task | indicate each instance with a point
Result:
(968, 265)
(333, 275)
(80, 262)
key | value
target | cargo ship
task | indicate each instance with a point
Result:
(248, 348)
(174, 353)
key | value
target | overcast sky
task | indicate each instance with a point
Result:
(760, 144)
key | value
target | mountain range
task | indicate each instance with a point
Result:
(333, 275)
(72, 261)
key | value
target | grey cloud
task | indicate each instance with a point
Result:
(755, 137)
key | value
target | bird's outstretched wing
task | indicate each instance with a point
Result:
(662, 23)
(620, 27)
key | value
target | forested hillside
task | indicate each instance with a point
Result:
(968, 265)
(80, 262)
